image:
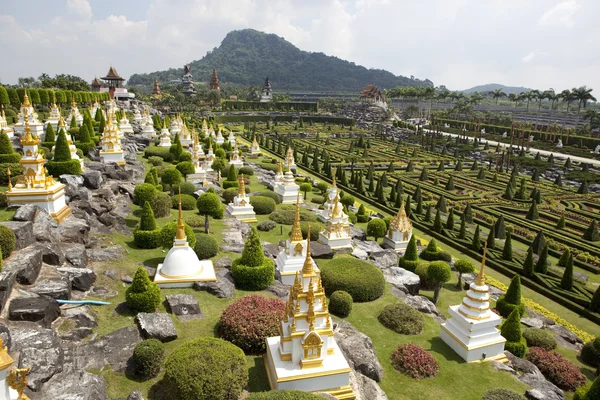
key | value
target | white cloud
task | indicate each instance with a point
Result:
(561, 15)
(80, 8)
(530, 57)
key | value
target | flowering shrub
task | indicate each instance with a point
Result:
(249, 320)
(556, 368)
(414, 361)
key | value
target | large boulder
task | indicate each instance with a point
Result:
(74, 230)
(92, 179)
(58, 289)
(419, 303)
(23, 233)
(156, 326)
(26, 263)
(107, 253)
(384, 259)
(184, 306)
(358, 350)
(319, 250)
(366, 388)
(530, 375)
(52, 253)
(368, 246)
(403, 279)
(75, 322)
(74, 385)
(45, 227)
(7, 281)
(42, 310)
(25, 213)
(81, 278)
(76, 254)
(222, 288)
(71, 180)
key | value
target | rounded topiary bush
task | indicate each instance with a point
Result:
(557, 369)
(188, 202)
(230, 184)
(144, 192)
(7, 241)
(247, 322)
(253, 271)
(161, 205)
(266, 225)
(246, 171)
(414, 361)
(229, 194)
(362, 280)
(168, 232)
(143, 295)
(187, 188)
(340, 303)
(501, 394)
(283, 395)
(287, 212)
(539, 338)
(148, 357)
(589, 355)
(206, 246)
(271, 195)
(262, 205)
(147, 239)
(314, 230)
(317, 200)
(206, 368)
(402, 319)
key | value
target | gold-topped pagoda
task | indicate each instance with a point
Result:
(400, 231)
(240, 208)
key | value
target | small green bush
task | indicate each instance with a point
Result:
(539, 338)
(246, 171)
(155, 151)
(188, 202)
(352, 218)
(206, 246)
(187, 188)
(143, 295)
(58, 168)
(168, 232)
(590, 355)
(253, 271)
(262, 205)
(314, 229)
(362, 218)
(15, 170)
(266, 225)
(501, 394)
(7, 241)
(402, 319)
(276, 198)
(147, 239)
(229, 194)
(144, 192)
(340, 303)
(161, 205)
(285, 216)
(156, 161)
(317, 200)
(230, 185)
(147, 359)
(362, 280)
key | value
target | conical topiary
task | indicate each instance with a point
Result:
(84, 134)
(462, 232)
(468, 214)
(476, 242)
(507, 250)
(62, 151)
(561, 223)
(564, 258)
(499, 229)
(528, 265)
(591, 233)
(252, 255)
(532, 214)
(512, 299)
(450, 220)
(437, 222)
(511, 330)
(595, 302)
(583, 189)
(441, 204)
(50, 134)
(542, 264)
(143, 295)
(412, 252)
(491, 239)
(147, 220)
(567, 279)
(539, 242)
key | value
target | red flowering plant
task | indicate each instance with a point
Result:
(249, 320)
(414, 361)
(557, 369)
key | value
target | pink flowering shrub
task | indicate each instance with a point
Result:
(414, 361)
(249, 320)
(557, 369)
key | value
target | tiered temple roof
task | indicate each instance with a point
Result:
(214, 81)
(371, 92)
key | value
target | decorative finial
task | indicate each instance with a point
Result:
(26, 102)
(307, 268)
(334, 181)
(180, 225)
(242, 185)
(480, 281)
(9, 182)
(296, 231)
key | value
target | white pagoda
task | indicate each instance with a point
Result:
(4, 125)
(124, 125)
(72, 148)
(148, 129)
(330, 201)
(137, 116)
(75, 113)
(235, 158)
(240, 208)
(290, 260)
(305, 356)
(54, 114)
(35, 126)
(165, 137)
(400, 231)
(210, 156)
(204, 127)
(111, 145)
(36, 186)
(181, 267)
(471, 330)
(231, 138)
(337, 231)
(289, 159)
(211, 132)
(199, 174)
(288, 190)
(220, 139)
(185, 136)
(254, 149)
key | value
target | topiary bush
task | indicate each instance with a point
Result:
(144, 192)
(433, 253)
(512, 299)
(247, 322)
(147, 359)
(161, 205)
(155, 151)
(362, 280)
(206, 368)
(253, 271)
(206, 246)
(188, 202)
(168, 232)
(246, 171)
(7, 241)
(501, 394)
(314, 230)
(58, 168)
(230, 184)
(266, 225)
(156, 161)
(283, 395)
(557, 369)
(414, 361)
(143, 295)
(147, 239)
(286, 213)
(539, 338)
(271, 195)
(402, 319)
(340, 303)
(511, 330)
(187, 188)
(229, 194)
(590, 355)
(262, 205)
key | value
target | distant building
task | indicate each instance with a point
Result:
(156, 89)
(113, 80)
(96, 84)
(371, 94)
(187, 80)
(214, 81)
(267, 93)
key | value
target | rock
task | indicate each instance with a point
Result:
(23, 233)
(419, 303)
(357, 233)
(5, 336)
(565, 334)
(45, 227)
(111, 273)
(319, 250)
(401, 277)
(360, 253)
(156, 326)
(103, 292)
(544, 393)
(75, 322)
(58, 289)
(25, 213)
(222, 288)
(279, 289)
(76, 254)
(81, 278)
(107, 253)
(26, 263)
(51, 253)
(74, 385)
(42, 310)
(7, 281)
(185, 306)
(126, 188)
(366, 388)
(92, 179)
(500, 366)
(384, 259)
(127, 279)
(368, 246)
(40, 350)
(224, 262)
(74, 230)
(71, 180)
(545, 320)
(270, 250)
(580, 276)
(532, 322)
(530, 375)
(358, 350)
(135, 395)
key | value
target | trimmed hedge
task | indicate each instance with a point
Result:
(262, 205)
(286, 213)
(402, 319)
(206, 246)
(266, 225)
(168, 232)
(539, 338)
(143, 295)
(147, 239)
(161, 205)
(253, 278)
(188, 202)
(144, 192)
(206, 368)
(147, 359)
(58, 168)
(7, 241)
(187, 188)
(589, 355)
(162, 152)
(340, 303)
(271, 195)
(362, 280)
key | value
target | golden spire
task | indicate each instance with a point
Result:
(280, 170)
(296, 231)
(53, 99)
(480, 280)
(334, 182)
(28, 139)
(180, 225)
(3, 116)
(9, 182)
(164, 123)
(61, 123)
(336, 207)
(26, 102)
(254, 142)
(307, 268)
(242, 186)
(73, 105)
(310, 300)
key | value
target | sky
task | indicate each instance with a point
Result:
(539, 44)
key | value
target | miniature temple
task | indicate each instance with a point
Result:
(337, 231)
(96, 84)
(235, 158)
(176, 125)
(254, 149)
(165, 136)
(305, 355)
(94, 109)
(124, 125)
(199, 174)
(4, 124)
(156, 88)
(214, 81)
(210, 156)
(75, 113)
(36, 186)
(72, 148)
(279, 175)
(181, 267)
(111, 145)
(288, 190)
(13, 382)
(471, 330)
(289, 159)
(148, 127)
(240, 208)
(211, 132)
(185, 136)
(35, 126)
(112, 80)
(231, 138)
(55, 114)
(187, 80)
(267, 92)
(204, 127)
(290, 260)
(330, 201)
(372, 95)
(220, 139)
(137, 116)
(400, 231)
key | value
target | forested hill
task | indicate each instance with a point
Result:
(247, 56)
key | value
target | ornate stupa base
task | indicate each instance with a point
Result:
(289, 264)
(149, 131)
(165, 143)
(220, 140)
(236, 163)
(197, 177)
(126, 128)
(36, 128)
(115, 157)
(399, 246)
(206, 274)
(51, 200)
(186, 142)
(332, 376)
(241, 213)
(288, 194)
(335, 241)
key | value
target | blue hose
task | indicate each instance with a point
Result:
(92, 302)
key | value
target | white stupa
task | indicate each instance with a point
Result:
(137, 116)
(4, 124)
(240, 208)
(471, 330)
(337, 231)
(288, 190)
(148, 129)
(165, 137)
(211, 132)
(290, 260)
(199, 174)
(124, 125)
(54, 114)
(75, 113)
(111, 144)
(235, 158)
(231, 138)
(220, 139)
(400, 231)
(330, 201)
(35, 126)
(305, 356)
(210, 156)
(72, 148)
(181, 267)
(185, 136)
(289, 159)
(254, 149)
(205, 127)
(12, 381)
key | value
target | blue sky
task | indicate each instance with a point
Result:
(457, 43)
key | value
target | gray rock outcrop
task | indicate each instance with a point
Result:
(358, 350)
(156, 326)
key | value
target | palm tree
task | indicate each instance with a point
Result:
(497, 94)
(476, 98)
(514, 97)
(537, 95)
(532, 95)
(582, 95)
(567, 97)
(551, 96)
(594, 117)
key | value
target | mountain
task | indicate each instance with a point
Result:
(247, 57)
(493, 86)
